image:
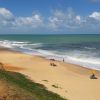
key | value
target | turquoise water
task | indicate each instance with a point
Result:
(79, 49)
(53, 38)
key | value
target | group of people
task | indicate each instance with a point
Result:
(52, 62)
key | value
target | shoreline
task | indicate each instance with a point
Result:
(62, 79)
(48, 58)
(75, 65)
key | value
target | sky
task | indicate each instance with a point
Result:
(49, 16)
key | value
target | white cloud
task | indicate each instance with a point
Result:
(78, 18)
(69, 21)
(56, 20)
(59, 21)
(6, 17)
(33, 21)
(95, 15)
(9, 21)
(5, 14)
(64, 20)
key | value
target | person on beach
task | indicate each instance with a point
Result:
(93, 74)
(63, 59)
(52, 63)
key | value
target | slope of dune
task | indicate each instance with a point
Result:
(15, 86)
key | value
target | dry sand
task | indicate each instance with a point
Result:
(68, 80)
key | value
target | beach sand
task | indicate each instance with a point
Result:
(68, 80)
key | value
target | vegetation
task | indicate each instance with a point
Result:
(35, 89)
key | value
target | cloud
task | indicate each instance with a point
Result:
(5, 14)
(6, 17)
(65, 20)
(34, 21)
(9, 22)
(94, 22)
(69, 21)
(95, 15)
(58, 21)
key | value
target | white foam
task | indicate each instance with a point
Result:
(89, 48)
(89, 63)
(82, 61)
(13, 44)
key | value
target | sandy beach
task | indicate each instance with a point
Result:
(68, 80)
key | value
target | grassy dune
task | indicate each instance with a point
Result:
(25, 89)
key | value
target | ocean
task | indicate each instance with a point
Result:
(83, 50)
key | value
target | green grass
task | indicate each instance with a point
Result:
(38, 90)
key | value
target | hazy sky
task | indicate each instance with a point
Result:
(49, 16)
